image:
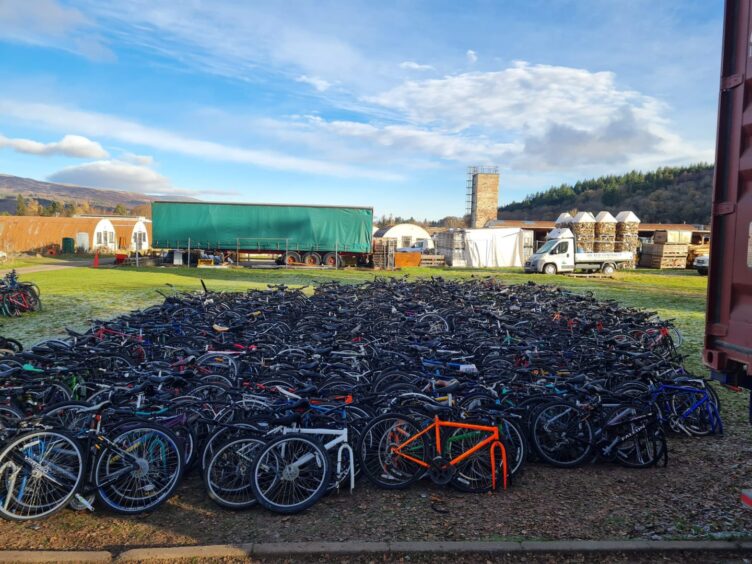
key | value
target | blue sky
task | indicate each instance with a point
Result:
(331, 102)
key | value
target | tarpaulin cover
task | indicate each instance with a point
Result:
(262, 227)
(493, 247)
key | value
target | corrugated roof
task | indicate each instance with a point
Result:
(669, 227)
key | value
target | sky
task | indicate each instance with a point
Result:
(383, 104)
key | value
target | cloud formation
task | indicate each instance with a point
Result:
(114, 175)
(103, 125)
(411, 65)
(472, 56)
(561, 117)
(51, 24)
(319, 84)
(69, 146)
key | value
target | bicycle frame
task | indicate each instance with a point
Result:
(715, 418)
(492, 441)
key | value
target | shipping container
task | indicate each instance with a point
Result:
(728, 329)
(296, 233)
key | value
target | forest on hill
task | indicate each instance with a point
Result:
(666, 195)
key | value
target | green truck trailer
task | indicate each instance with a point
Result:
(312, 235)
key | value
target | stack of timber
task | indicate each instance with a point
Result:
(432, 260)
(383, 253)
(583, 227)
(664, 255)
(605, 232)
(627, 234)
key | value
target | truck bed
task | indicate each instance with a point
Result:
(603, 257)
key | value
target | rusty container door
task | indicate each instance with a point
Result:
(728, 331)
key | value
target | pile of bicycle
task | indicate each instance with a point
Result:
(18, 297)
(277, 397)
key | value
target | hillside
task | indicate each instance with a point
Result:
(47, 192)
(666, 195)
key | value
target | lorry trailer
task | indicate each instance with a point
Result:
(312, 235)
(561, 254)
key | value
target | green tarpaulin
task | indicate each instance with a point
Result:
(261, 227)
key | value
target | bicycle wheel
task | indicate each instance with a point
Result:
(140, 469)
(561, 436)
(39, 473)
(693, 412)
(228, 473)
(379, 463)
(474, 474)
(291, 473)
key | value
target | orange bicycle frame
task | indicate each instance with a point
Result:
(493, 440)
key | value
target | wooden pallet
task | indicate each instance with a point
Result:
(652, 261)
(665, 250)
(432, 260)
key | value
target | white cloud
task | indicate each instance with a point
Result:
(50, 24)
(115, 175)
(564, 116)
(103, 125)
(411, 65)
(472, 56)
(407, 141)
(69, 146)
(319, 84)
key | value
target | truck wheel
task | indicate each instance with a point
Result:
(608, 269)
(332, 259)
(550, 268)
(290, 257)
(312, 259)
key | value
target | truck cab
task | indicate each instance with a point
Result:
(422, 246)
(556, 255)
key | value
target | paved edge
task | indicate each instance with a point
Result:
(345, 548)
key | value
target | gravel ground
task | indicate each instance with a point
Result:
(696, 496)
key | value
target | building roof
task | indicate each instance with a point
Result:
(522, 223)
(384, 231)
(671, 227)
(605, 217)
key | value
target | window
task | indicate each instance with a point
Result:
(112, 236)
(99, 237)
(563, 247)
(749, 247)
(407, 241)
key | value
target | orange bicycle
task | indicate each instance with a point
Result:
(395, 451)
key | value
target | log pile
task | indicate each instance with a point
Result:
(605, 232)
(583, 227)
(627, 234)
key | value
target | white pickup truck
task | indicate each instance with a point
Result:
(560, 254)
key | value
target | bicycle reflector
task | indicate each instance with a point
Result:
(747, 498)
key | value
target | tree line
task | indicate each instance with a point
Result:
(54, 208)
(666, 195)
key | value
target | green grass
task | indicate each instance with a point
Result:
(72, 297)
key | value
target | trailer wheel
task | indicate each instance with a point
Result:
(550, 268)
(332, 259)
(312, 259)
(608, 269)
(290, 257)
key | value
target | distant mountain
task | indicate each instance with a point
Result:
(666, 195)
(46, 192)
